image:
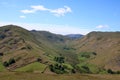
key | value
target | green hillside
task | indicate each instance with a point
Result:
(105, 45)
(26, 47)
(36, 66)
(31, 51)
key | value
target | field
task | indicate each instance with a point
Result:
(32, 67)
(2, 68)
(40, 76)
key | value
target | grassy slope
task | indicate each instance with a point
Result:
(47, 45)
(105, 44)
(36, 66)
(54, 45)
(36, 76)
(2, 68)
(25, 46)
(19, 44)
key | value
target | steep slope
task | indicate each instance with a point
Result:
(18, 43)
(96, 50)
(26, 47)
(49, 39)
(106, 45)
(57, 45)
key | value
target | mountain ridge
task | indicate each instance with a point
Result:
(27, 47)
(74, 36)
(105, 44)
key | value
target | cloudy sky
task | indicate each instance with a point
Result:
(62, 16)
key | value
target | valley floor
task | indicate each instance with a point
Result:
(39, 76)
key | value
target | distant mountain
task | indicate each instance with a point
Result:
(74, 36)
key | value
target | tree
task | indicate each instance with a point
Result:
(118, 72)
(6, 64)
(86, 68)
(11, 61)
(39, 59)
(57, 68)
(73, 71)
(51, 68)
(110, 71)
(59, 59)
(2, 36)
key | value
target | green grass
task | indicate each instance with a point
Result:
(88, 68)
(2, 68)
(84, 66)
(36, 66)
(84, 56)
(68, 66)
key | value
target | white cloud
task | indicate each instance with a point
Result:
(56, 12)
(28, 11)
(61, 11)
(102, 26)
(39, 7)
(34, 9)
(22, 16)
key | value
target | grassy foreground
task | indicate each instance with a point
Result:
(38, 76)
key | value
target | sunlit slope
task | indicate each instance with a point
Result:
(105, 44)
(26, 47)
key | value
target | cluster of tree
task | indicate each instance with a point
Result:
(113, 72)
(61, 69)
(57, 68)
(7, 63)
(1, 54)
(59, 59)
(2, 36)
(39, 59)
(68, 48)
(87, 54)
(83, 69)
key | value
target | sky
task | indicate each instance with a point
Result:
(62, 16)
